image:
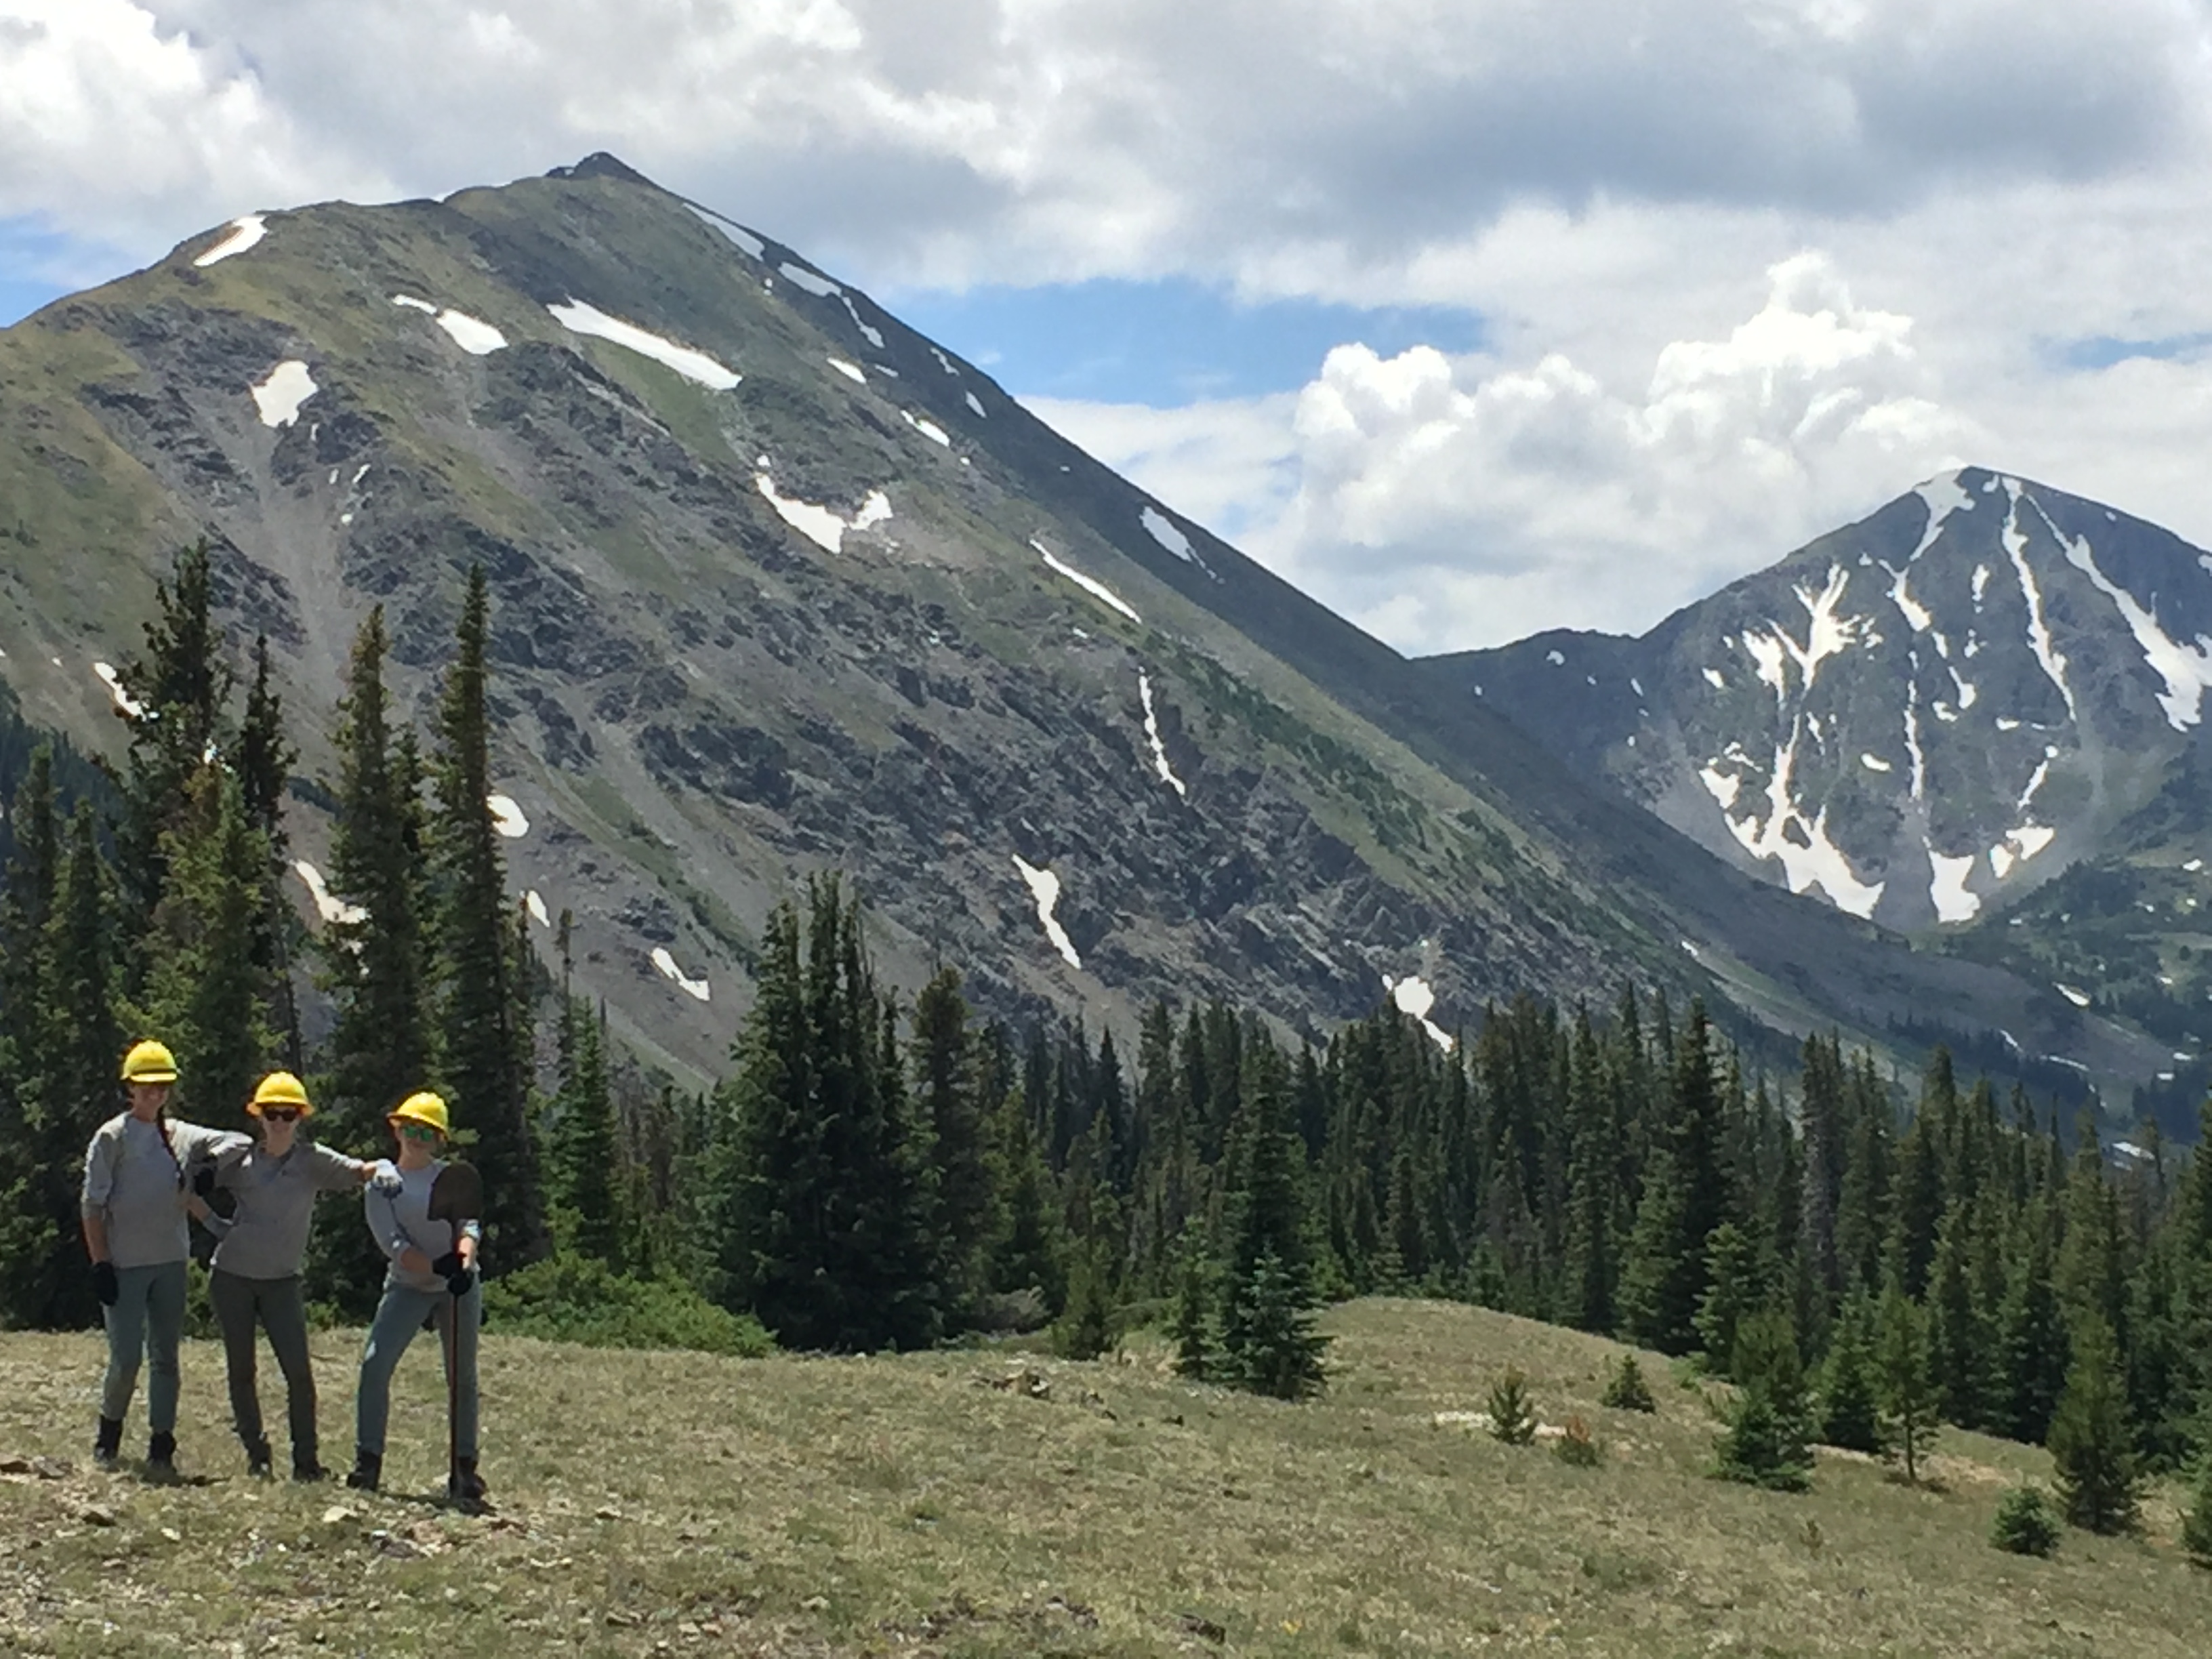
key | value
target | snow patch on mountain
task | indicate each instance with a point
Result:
(928, 428)
(1944, 495)
(871, 335)
(1875, 763)
(126, 704)
(1809, 858)
(1089, 585)
(278, 396)
(1164, 531)
(696, 989)
(1916, 613)
(850, 371)
(1152, 734)
(799, 276)
(746, 242)
(2038, 630)
(535, 903)
(2186, 669)
(579, 318)
(1947, 886)
(506, 817)
(825, 528)
(245, 233)
(328, 905)
(974, 402)
(1827, 634)
(1412, 996)
(1044, 888)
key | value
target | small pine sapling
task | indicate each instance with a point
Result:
(1577, 1447)
(1192, 1332)
(1625, 1390)
(2025, 1524)
(1512, 1418)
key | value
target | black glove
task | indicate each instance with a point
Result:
(457, 1275)
(204, 1181)
(447, 1265)
(103, 1283)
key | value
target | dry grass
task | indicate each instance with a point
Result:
(675, 1503)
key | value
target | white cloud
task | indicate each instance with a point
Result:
(1447, 503)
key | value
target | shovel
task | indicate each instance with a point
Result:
(457, 1195)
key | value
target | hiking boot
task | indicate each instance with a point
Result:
(306, 1471)
(161, 1457)
(368, 1470)
(107, 1447)
(466, 1488)
(259, 1464)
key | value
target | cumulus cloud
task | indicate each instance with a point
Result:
(1048, 138)
(1447, 503)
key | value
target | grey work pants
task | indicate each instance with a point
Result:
(145, 1322)
(398, 1316)
(277, 1306)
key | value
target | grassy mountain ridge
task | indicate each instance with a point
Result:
(821, 616)
(803, 1506)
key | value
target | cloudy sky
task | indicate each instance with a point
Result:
(1472, 316)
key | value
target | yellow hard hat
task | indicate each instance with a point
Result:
(281, 1089)
(149, 1062)
(422, 1108)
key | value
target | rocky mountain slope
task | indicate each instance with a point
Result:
(782, 586)
(1922, 719)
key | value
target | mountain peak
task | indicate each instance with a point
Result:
(604, 164)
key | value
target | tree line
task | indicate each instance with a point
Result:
(880, 1169)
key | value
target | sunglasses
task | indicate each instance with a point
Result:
(419, 1132)
(279, 1114)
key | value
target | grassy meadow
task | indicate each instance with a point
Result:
(667, 1502)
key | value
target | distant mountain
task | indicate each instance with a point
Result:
(780, 585)
(1921, 719)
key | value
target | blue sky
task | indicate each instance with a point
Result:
(1165, 344)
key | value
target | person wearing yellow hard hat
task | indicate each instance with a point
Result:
(254, 1279)
(432, 1278)
(137, 1180)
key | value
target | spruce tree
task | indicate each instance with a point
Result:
(827, 1185)
(2092, 1442)
(264, 758)
(1959, 1340)
(79, 1040)
(205, 989)
(1767, 1442)
(949, 1103)
(374, 957)
(1194, 1327)
(1851, 1414)
(2196, 1520)
(1734, 1292)
(1027, 1251)
(27, 910)
(1087, 1330)
(1267, 1341)
(1908, 1397)
(2033, 1347)
(483, 1042)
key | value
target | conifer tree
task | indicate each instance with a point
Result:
(79, 1040)
(1909, 1397)
(264, 758)
(375, 955)
(828, 1185)
(1850, 1394)
(1027, 1250)
(482, 1038)
(1734, 1292)
(949, 1103)
(1193, 1333)
(2092, 1442)
(1684, 1200)
(1768, 1440)
(2034, 1348)
(180, 687)
(204, 989)
(1958, 1338)
(27, 910)
(1267, 1341)
(2196, 1520)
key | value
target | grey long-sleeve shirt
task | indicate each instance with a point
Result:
(136, 1184)
(267, 1238)
(404, 1222)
